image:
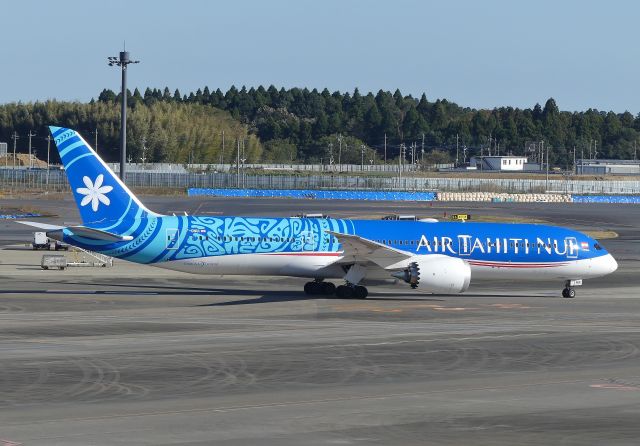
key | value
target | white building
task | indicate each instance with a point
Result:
(499, 162)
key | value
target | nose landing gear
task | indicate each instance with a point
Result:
(569, 292)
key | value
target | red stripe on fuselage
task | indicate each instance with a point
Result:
(324, 254)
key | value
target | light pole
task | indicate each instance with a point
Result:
(122, 62)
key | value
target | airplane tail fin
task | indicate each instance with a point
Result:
(100, 195)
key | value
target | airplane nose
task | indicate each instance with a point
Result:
(604, 265)
(611, 263)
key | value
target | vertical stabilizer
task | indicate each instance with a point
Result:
(100, 195)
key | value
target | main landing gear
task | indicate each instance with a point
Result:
(315, 288)
(352, 292)
(348, 291)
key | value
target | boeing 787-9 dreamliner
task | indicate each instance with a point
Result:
(430, 257)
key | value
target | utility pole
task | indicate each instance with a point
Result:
(402, 147)
(547, 156)
(238, 165)
(456, 150)
(331, 160)
(123, 62)
(385, 148)
(422, 149)
(411, 147)
(340, 152)
(595, 149)
(575, 169)
(222, 154)
(362, 147)
(30, 135)
(15, 138)
(48, 150)
(95, 147)
(144, 150)
(581, 160)
(243, 159)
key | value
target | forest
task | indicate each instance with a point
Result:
(301, 125)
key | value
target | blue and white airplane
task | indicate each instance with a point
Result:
(431, 257)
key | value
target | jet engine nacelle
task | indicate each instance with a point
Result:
(437, 274)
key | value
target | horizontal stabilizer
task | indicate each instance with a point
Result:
(44, 226)
(96, 234)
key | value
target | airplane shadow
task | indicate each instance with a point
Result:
(279, 297)
(259, 296)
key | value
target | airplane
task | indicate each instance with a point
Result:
(426, 256)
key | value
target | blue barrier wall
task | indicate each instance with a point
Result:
(605, 198)
(317, 194)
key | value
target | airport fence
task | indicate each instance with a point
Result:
(55, 180)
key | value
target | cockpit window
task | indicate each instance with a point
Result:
(597, 246)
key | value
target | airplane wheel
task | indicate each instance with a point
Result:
(312, 288)
(569, 293)
(328, 288)
(360, 292)
(344, 292)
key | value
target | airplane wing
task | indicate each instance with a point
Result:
(361, 250)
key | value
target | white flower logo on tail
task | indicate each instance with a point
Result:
(94, 193)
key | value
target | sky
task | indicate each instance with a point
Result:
(479, 54)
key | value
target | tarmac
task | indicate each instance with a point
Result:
(137, 355)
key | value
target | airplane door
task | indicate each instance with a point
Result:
(572, 247)
(307, 239)
(172, 238)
